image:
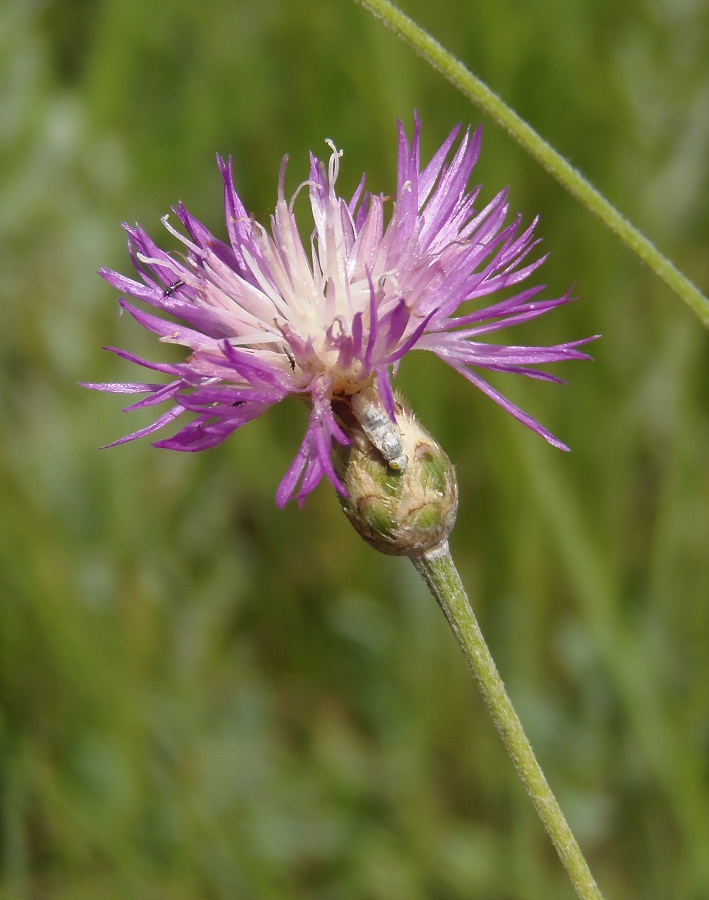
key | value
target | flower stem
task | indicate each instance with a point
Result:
(437, 569)
(574, 182)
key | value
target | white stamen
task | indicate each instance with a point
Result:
(333, 167)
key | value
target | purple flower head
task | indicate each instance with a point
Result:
(264, 319)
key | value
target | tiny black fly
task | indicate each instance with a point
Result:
(175, 286)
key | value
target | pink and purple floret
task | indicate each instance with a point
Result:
(263, 319)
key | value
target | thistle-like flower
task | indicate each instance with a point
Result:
(264, 319)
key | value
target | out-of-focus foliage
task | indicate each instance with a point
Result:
(203, 696)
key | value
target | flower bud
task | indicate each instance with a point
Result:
(402, 499)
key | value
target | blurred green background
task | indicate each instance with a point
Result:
(206, 697)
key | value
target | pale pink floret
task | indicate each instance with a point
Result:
(263, 318)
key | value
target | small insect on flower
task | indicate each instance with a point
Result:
(291, 358)
(168, 292)
(380, 429)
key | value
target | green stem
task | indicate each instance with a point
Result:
(437, 569)
(481, 95)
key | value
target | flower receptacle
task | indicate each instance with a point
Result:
(399, 512)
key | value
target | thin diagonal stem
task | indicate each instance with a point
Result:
(437, 569)
(574, 182)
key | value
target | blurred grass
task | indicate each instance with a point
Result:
(203, 696)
